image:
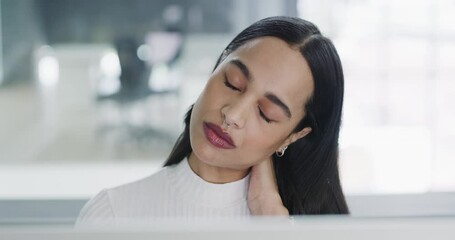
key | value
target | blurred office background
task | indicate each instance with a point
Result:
(93, 92)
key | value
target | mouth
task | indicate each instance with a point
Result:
(217, 137)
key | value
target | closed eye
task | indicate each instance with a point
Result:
(229, 85)
(261, 113)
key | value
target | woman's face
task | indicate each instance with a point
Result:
(260, 91)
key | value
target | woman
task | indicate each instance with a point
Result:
(261, 139)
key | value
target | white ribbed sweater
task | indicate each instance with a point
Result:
(174, 191)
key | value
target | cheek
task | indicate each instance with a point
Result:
(204, 102)
(212, 94)
(260, 142)
(205, 108)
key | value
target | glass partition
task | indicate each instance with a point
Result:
(93, 93)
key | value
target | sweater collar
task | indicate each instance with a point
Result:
(194, 188)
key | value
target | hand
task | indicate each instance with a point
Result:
(263, 195)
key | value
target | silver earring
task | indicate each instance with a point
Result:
(280, 153)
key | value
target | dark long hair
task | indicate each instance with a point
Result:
(307, 175)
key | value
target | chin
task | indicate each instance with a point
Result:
(201, 149)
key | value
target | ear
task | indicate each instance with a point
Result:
(295, 136)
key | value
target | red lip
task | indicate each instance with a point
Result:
(217, 136)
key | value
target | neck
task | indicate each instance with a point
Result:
(214, 174)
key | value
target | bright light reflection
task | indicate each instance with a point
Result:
(159, 79)
(108, 86)
(143, 52)
(110, 65)
(110, 71)
(48, 70)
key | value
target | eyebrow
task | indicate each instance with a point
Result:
(243, 68)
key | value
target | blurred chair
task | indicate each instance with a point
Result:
(133, 80)
(147, 72)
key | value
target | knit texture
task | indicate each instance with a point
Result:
(174, 191)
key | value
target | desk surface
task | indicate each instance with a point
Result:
(318, 227)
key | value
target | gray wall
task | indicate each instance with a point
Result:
(20, 33)
(26, 24)
(104, 20)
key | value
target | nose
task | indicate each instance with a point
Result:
(235, 114)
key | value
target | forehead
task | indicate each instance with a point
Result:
(278, 68)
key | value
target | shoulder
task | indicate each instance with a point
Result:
(97, 211)
(122, 201)
(141, 186)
